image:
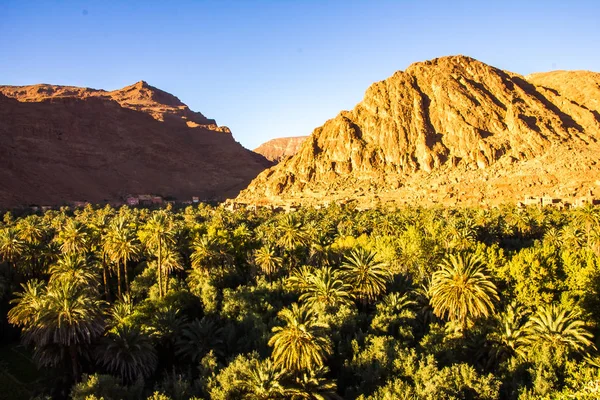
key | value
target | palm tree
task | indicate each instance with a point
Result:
(261, 381)
(267, 259)
(300, 278)
(127, 352)
(121, 310)
(312, 385)
(29, 304)
(209, 253)
(301, 344)
(30, 230)
(558, 325)
(171, 261)
(158, 234)
(325, 288)
(367, 276)
(73, 238)
(62, 320)
(11, 245)
(511, 336)
(588, 217)
(199, 337)
(461, 290)
(572, 236)
(98, 227)
(121, 245)
(72, 267)
(292, 233)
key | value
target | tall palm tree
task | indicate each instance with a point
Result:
(558, 325)
(325, 288)
(157, 234)
(367, 276)
(266, 258)
(461, 290)
(73, 238)
(11, 245)
(127, 352)
(301, 344)
(171, 261)
(98, 227)
(121, 245)
(72, 268)
(64, 319)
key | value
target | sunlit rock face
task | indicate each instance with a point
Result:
(450, 130)
(277, 149)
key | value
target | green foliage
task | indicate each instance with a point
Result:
(462, 291)
(315, 304)
(105, 387)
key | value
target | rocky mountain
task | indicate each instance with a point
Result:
(279, 148)
(452, 130)
(60, 144)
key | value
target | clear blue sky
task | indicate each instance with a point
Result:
(281, 68)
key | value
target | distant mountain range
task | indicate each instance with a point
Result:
(60, 144)
(452, 130)
(277, 149)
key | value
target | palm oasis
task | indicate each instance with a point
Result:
(331, 303)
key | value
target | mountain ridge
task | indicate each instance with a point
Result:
(60, 144)
(277, 149)
(454, 114)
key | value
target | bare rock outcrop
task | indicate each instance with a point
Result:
(280, 148)
(448, 130)
(60, 144)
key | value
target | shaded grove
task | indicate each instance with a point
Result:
(201, 302)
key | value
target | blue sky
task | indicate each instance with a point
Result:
(281, 68)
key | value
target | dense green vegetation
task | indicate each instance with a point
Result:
(317, 304)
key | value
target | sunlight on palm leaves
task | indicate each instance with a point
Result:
(558, 325)
(301, 343)
(461, 291)
(262, 381)
(266, 258)
(73, 268)
(367, 276)
(325, 288)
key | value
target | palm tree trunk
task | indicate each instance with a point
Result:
(74, 362)
(159, 270)
(126, 275)
(119, 277)
(105, 278)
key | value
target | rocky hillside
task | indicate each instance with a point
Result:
(450, 130)
(60, 144)
(280, 148)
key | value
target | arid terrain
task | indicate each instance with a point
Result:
(450, 131)
(62, 144)
(279, 148)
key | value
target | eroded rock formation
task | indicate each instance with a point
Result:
(60, 144)
(449, 130)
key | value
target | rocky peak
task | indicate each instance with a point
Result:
(140, 96)
(438, 118)
(277, 149)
